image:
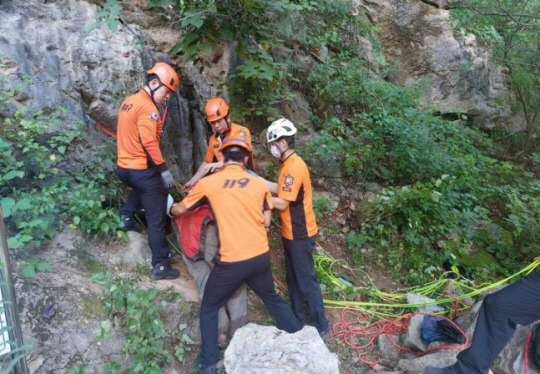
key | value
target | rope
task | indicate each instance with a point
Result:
(362, 322)
(526, 353)
(281, 289)
(361, 329)
(427, 290)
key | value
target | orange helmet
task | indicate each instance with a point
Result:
(166, 74)
(216, 108)
(238, 142)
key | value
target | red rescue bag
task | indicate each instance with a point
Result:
(191, 231)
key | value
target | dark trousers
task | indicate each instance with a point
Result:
(519, 303)
(148, 192)
(223, 282)
(302, 281)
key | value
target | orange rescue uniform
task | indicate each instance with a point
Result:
(237, 199)
(294, 186)
(139, 133)
(213, 152)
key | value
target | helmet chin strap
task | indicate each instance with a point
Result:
(282, 153)
(152, 91)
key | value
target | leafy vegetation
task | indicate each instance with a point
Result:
(267, 36)
(449, 200)
(136, 310)
(108, 16)
(33, 265)
(44, 184)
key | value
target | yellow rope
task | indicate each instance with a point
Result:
(426, 290)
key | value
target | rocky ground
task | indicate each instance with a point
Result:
(61, 309)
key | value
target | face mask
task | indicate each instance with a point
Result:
(275, 151)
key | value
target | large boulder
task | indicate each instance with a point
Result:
(256, 349)
(457, 72)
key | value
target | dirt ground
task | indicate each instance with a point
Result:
(67, 286)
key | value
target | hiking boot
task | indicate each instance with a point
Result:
(206, 369)
(326, 332)
(163, 270)
(127, 223)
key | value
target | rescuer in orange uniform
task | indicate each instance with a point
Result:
(299, 228)
(140, 164)
(217, 114)
(242, 206)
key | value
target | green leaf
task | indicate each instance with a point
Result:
(190, 52)
(7, 204)
(24, 204)
(43, 266)
(205, 48)
(115, 10)
(13, 243)
(174, 50)
(106, 325)
(28, 270)
(105, 227)
(13, 174)
(112, 24)
(190, 39)
(191, 20)
(161, 3)
(32, 261)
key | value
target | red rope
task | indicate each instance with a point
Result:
(281, 288)
(527, 344)
(359, 334)
(106, 130)
(452, 314)
(165, 113)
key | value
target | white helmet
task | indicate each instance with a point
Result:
(279, 128)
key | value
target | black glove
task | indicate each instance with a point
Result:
(167, 179)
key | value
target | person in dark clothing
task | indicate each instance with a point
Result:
(298, 224)
(140, 164)
(242, 207)
(517, 304)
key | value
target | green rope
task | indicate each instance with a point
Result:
(325, 265)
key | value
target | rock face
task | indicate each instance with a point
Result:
(52, 59)
(265, 349)
(65, 64)
(456, 71)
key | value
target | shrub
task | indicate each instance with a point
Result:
(43, 185)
